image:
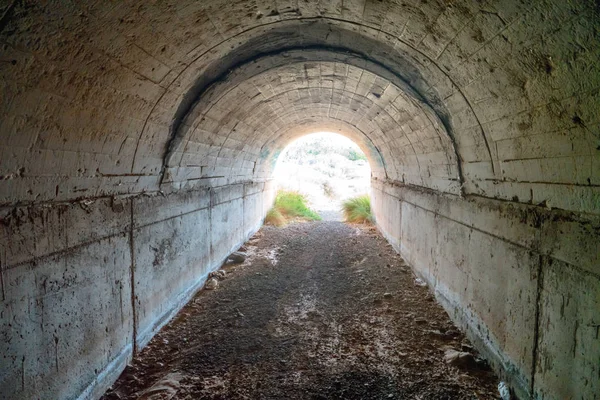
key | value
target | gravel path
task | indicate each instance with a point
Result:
(330, 215)
(319, 310)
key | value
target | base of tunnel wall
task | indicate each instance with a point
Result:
(108, 375)
(522, 281)
(85, 284)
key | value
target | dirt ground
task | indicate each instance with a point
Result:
(319, 310)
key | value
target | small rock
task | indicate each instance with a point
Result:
(420, 282)
(436, 333)
(166, 388)
(388, 295)
(237, 257)
(420, 321)
(211, 284)
(466, 347)
(459, 358)
(504, 391)
(451, 333)
(219, 275)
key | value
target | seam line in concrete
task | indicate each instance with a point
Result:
(587, 185)
(139, 226)
(65, 250)
(536, 333)
(2, 262)
(132, 280)
(460, 223)
(532, 249)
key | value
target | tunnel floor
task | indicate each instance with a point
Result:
(319, 310)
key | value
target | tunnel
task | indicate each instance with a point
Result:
(138, 141)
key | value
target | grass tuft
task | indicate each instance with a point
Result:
(358, 209)
(289, 204)
(275, 218)
(293, 204)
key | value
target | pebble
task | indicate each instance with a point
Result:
(452, 333)
(459, 358)
(237, 257)
(165, 388)
(466, 347)
(504, 391)
(211, 284)
(420, 282)
(219, 275)
(435, 332)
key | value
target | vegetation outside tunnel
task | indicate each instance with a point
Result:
(358, 209)
(290, 204)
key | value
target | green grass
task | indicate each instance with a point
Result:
(358, 209)
(290, 205)
(293, 204)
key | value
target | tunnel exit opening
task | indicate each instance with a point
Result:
(327, 168)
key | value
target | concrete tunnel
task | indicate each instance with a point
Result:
(137, 142)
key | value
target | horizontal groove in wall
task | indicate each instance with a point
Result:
(121, 232)
(64, 251)
(492, 205)
(517, 244)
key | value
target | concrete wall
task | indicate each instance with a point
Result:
(523, 281)
(85, 282)
(491, 98)
(495, 99)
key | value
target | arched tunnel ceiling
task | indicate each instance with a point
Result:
(497, 99)
(244, 119)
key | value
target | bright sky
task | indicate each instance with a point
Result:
(325, 137)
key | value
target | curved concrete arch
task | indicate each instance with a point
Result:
(331, 80)
(489, 185)
(258, 64)
(263, 55)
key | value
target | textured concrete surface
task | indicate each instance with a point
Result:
(531, 306)
(115, 98)
(162, 121)
(79, 294)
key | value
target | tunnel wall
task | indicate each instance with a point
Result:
(522, 281)
(85, 282)
(96, 95)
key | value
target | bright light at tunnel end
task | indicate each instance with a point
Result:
(328, 138)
